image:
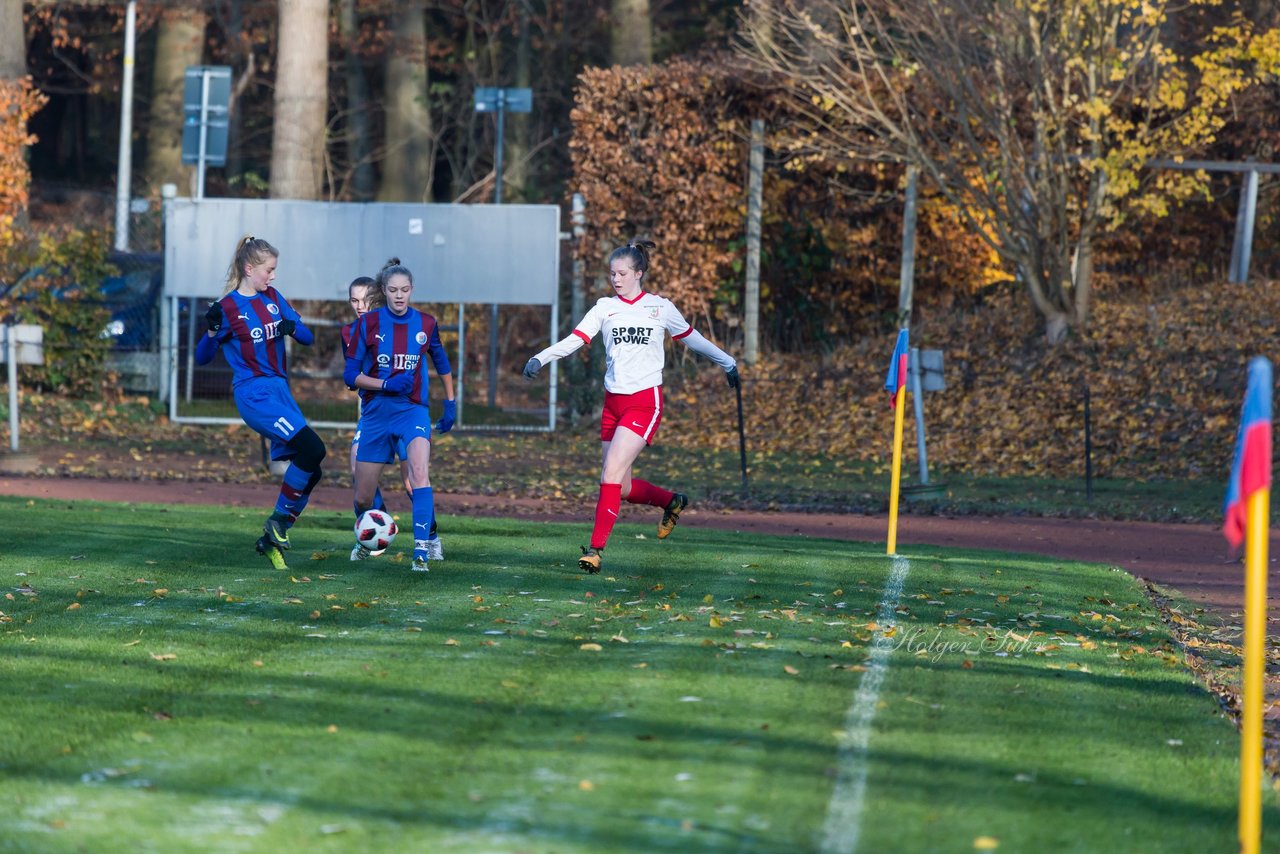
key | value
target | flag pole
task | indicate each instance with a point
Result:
(1255, 637)
(899, 405)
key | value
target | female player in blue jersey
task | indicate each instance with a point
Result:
(386, 364)
(365, 296)
(249, 324)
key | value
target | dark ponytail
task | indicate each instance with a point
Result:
(637, 252)
(393, 267)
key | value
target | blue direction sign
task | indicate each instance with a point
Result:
(206, 99)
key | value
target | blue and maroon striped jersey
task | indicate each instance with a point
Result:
(385, 345)
(250, 336)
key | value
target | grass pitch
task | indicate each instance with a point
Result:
(166, 690)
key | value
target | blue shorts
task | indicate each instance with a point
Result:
(266, 404)
(385, 435)
(401, 446)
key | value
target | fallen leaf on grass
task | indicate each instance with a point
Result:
(789, 669)
(986, 843)
(591, 647)
(450, 642)
(74, 606)
(163, 656)
(586, 785)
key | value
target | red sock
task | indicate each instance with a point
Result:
(643, 492)
(606, 513)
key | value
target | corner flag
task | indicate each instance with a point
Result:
(1251, 465)
(897, 378)
(896, 383)
(1248, 515)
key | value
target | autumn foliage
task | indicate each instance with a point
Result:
(19, 100)
(1165, 375)
(660, 152)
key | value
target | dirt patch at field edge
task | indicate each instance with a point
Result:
(1190, 558)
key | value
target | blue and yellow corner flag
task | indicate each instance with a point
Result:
(1247, 512)
(1251, 465)
(897, 378)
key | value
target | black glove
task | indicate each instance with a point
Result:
(445, 424)
(286, 327)
(531, 368)
(213, 316)
(732, 376)
(399, 384)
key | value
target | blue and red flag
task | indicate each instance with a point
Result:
(1251, 465)
(897, 378)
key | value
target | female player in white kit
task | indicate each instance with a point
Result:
(635, 325)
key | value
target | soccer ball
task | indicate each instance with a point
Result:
(375, 529)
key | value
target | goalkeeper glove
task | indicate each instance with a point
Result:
(213, 316)
(286, 327)
(731, 376)
(531, 368)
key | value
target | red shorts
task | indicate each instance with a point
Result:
(641, 413)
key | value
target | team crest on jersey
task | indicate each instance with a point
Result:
(273, 308)
(421, 338)
(653, 312)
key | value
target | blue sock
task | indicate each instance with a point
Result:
(378, 503)
(424, 508)
(292, 493)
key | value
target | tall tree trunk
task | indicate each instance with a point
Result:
(298, 130)
(631, 41)
(359, 147)
(179, 43)
(515, 163)
(13, 43)
(407, 168)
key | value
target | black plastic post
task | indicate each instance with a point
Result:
(742, 439)
(1088, 449)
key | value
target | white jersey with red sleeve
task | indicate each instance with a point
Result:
(634, 334)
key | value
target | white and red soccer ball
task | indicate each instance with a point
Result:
(375, 529)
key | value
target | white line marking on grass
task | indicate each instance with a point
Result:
(844, 813)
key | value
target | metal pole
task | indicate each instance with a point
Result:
(462, 355)
(171, 359)
(11, 355)
(497, 200)
(1242, 247)
(204, 133)
(578, 295)
(191, 345)
(162, 356)
(906, 282)
(913, 370)
(555, 366)
(124, 166)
